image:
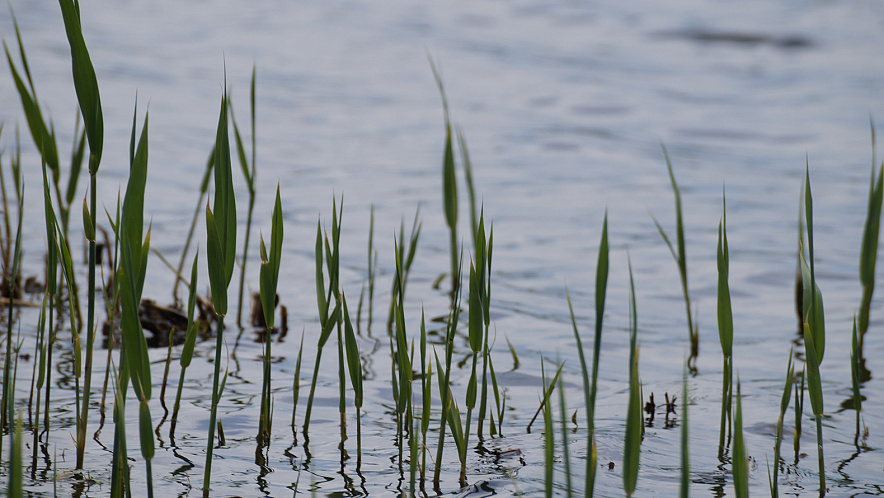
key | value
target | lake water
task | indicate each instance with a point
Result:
(564, 106)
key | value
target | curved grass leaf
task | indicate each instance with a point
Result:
(270, 266)
(85, 82)
(632, 442)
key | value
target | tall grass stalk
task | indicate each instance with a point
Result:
(449, 185)
(740, 463)
(634, 423)
(354, 364)
(566, 454)
(591, 389)
(248, 171)
(725, 330)
(869, 248)
(133, 265)
(86, 86)
(327, 321)
(855, 382)
(189, 342)
(269, 276)
(12, 277)
(784, 406)
(549, 439)
(799, 412)
(814, 329)
(684, 488)
(444, 378)
(682, 260)
(221, 254)
(204, 188)
(407, 254)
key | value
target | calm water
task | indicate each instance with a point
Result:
(564, 105)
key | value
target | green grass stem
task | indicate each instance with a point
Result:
(682, 260)
(634, 422)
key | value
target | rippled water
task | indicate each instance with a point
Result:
(564, 105)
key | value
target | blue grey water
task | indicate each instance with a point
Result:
(564, 106)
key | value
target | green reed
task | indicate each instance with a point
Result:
(269, 276)
(371, 275)
(590, 390)
(869, 249)
(725, 330)
(855, 382)
(204, 188)
(86, 86)
(402, 377)
(327, 321)
(189, 343)
(12, 276)
(449, 185)
(634, 423)
(407, 254)
(354, 365)
(444, 378)
(814, 328)
(799, 412)
(739, 458)
(249, 171)
(684, 487)
(681, 259)
(784, 406)
(134, 361)
(221, 254)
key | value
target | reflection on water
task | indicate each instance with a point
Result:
(564, 105)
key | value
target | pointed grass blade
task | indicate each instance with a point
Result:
(85, 82)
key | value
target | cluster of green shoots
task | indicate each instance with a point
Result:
(417, 404)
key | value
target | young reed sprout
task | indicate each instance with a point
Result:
(549, 439)
(12, 276)
(189, 342)
(740, 462)
(408, 252)
(269, 275)
(799, 412)
(204, 188)
(725, 330)
(591, 389)
(372, 273)
(327, 321)
(855, 382)
(566, 454)
(449, 185)
(444, 378)
(248, 171)
(547, 391)
(684, 488)
(296, 384)
(634, 422)
(221, 253)
(814, 328)
(869, 249)
(681, 259)
(354, 364)
(784, 406)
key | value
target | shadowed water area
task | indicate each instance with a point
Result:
(564, 106)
